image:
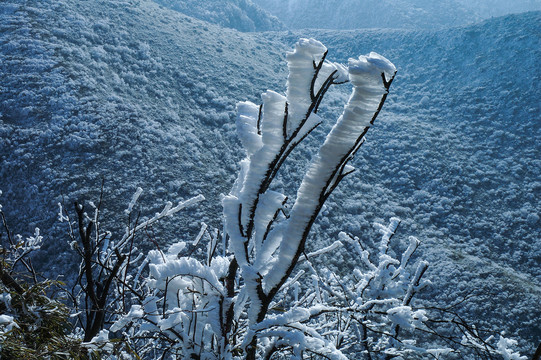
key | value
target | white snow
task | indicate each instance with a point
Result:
(367, 92)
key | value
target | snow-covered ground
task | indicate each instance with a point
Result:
(140, 95)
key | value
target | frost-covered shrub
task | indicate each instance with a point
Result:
(103, 282)
(34, 324)
(244, 299)
(256, 293)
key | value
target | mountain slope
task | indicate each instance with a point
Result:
(242, 15)
(126, 91)
(458, 154)
(144, 96)
(394, 14)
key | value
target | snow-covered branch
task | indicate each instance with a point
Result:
(261, 295)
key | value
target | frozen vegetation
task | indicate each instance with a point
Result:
(143, 96)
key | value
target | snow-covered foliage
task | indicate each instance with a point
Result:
(33, 325)
(16, 250)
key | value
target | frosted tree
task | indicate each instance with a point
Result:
(257, 293)
(266, 250)
(245, 301)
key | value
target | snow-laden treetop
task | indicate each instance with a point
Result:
(267, 245)
(372, 63)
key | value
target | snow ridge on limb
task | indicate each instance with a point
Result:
(370, 76)
(300, 63)
(266, 242)
(248, 126)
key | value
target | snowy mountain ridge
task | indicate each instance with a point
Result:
(242, 15)
(145, 96)
(393, 14)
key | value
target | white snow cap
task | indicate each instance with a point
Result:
(307, 47)
(372, 63)
(247, 117)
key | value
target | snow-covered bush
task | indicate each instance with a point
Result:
(258, 294)
(101, 285)
(34, 324)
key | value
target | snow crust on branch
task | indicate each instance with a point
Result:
(373, 64)
(300, 63)
(265, 295)
(247, 126)
(271, 125)
(366, 76)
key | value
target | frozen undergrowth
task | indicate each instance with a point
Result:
(89, 90)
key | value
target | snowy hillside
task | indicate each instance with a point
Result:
(242, 15)
(103, 90)
(141, 95)
(393, 14)
(459, 157)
